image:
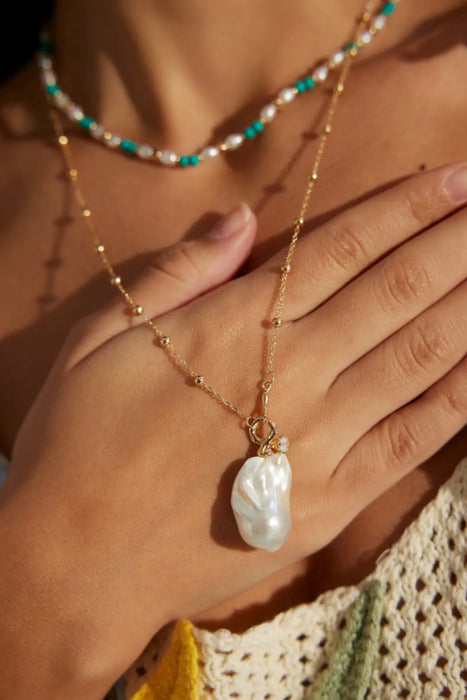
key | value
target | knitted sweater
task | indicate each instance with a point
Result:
(401, 633)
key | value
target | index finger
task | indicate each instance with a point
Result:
(336, 252)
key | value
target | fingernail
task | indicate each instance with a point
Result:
(456, 184)
(232, 223)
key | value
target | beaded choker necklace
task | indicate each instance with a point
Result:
(373, 24)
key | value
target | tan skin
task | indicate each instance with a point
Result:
(137, 208)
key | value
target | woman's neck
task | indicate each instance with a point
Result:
(174, 71)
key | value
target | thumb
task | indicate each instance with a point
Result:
(174, 277)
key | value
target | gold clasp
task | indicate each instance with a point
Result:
(264, 443)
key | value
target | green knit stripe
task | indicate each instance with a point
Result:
(349, 674)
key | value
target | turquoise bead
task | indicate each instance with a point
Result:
(300, 85)
(351, 45)
(194, 160)
(309, 83)
(184, 161)
(388, 8)
(52, 89)
(258, 126)
(86, 122)
(249, 132)
(45, 47)
(128, 146)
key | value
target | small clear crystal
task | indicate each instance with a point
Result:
(283, 443)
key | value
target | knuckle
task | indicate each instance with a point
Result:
(403, 282)
(425, 349)
(343, 247)
(402, 442)
(414, 207)
(177, 263)
(455, 399)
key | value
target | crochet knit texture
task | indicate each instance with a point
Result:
(402, 633)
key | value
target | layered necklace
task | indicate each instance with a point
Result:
(260, 496)
(285, 96)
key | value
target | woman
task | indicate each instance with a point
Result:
(115, 518)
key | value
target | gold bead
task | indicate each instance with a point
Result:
(327, 129)
(277, 322)
(100, 248)
(199, 380)
(298, 221)
(137, 310)
(72, 173)
(63, 140)
(286, 268)
(115, 280)
(86, 213)
(165, 340)
(340, 87)
(313, 176)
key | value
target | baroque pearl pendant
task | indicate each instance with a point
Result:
(261, 501)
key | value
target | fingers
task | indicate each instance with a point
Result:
(175, 277)
(388, 295)
(338, 251)
(403, 366)
(404, 440)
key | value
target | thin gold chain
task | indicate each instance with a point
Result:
(285, 270)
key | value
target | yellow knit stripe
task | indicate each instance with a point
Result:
(177, 678)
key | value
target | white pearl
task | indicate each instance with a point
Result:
(209, 152)
(168, 158)
(233, 141)
(287, 94)
(261, 501)
(112, 140)
(379, 22)
(97, 130)
(145, 151)
(320, 74)
(337, 58)
(61, 99)
(49, 78)
(45, 63)
(268, 113)
(75, 113)
(366, 37)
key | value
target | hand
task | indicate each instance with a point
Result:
(128, 487)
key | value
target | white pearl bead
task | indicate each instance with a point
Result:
(287, 94)
(320, 74)
(97, 130)
(233, 141)
(168, 158)
(268, 113)
(337, 58)
(209, 152)
(75, 113)
(261, 501)
(45, 63)
(379, 22)
(61, 99)
(145, 151)
(113, 140)
(366, 37)
(49, 78)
